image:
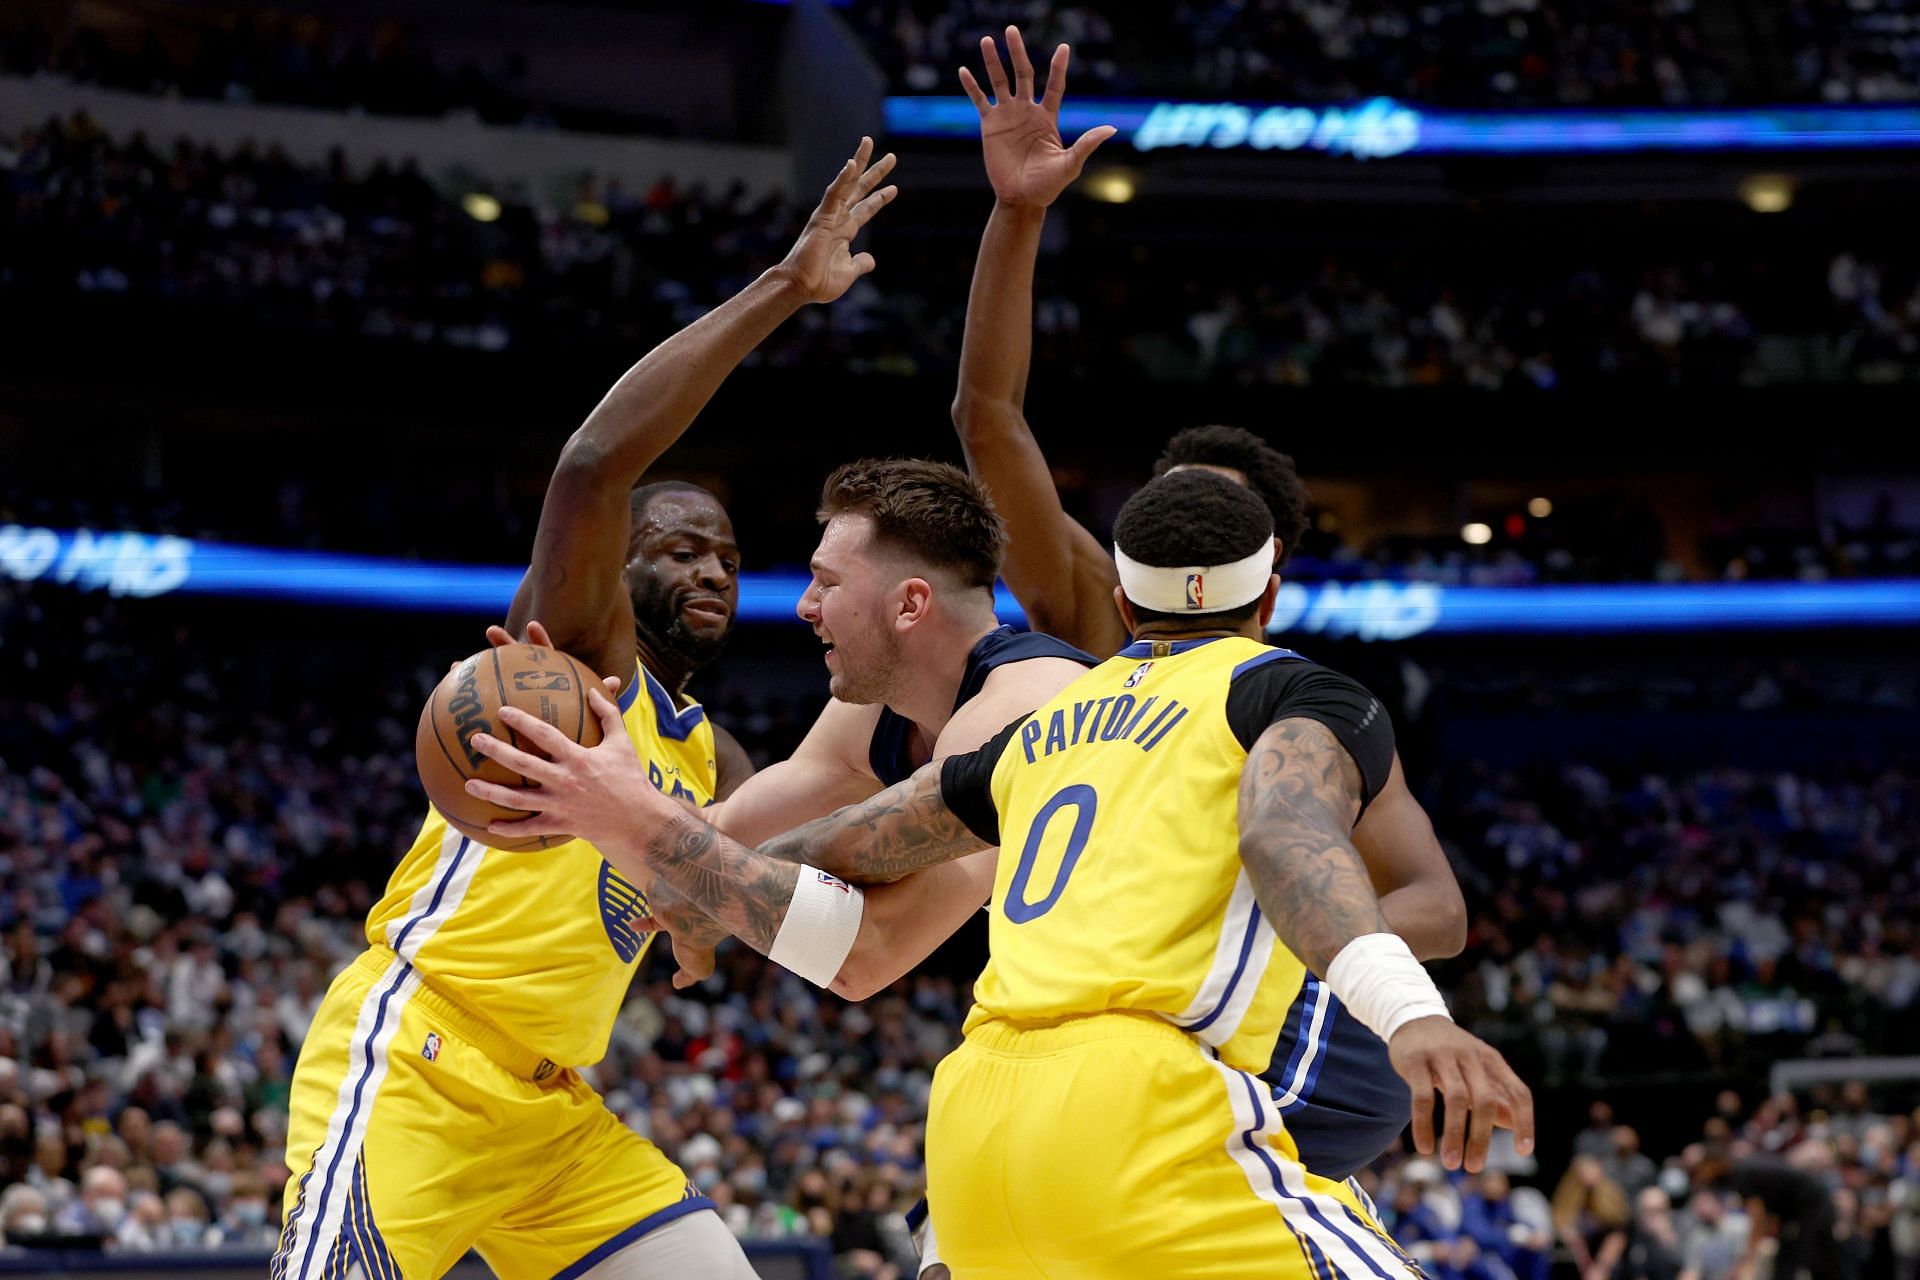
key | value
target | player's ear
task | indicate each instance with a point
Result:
(1269, 596)
(916, 601)
(1125, 606)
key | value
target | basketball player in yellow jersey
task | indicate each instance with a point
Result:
(437, 1105)
(1176, 829)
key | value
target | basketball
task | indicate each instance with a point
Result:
(538, 680)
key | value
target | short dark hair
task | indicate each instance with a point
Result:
(933, 511)
(1269, 472)
(1193, 517)
(643, 495)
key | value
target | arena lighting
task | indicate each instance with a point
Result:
(139, 565)
(1476, 534)
(1382, 127)
(480, 206)
(1539, 508)
(1767, 192)
(1110, 186)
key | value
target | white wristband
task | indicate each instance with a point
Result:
(823, 916)
(1380, 982)
(929, 1247)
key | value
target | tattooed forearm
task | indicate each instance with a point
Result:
(737, 888)
(1299, 797)
(746, 891)
(682, 917)
(904, 829)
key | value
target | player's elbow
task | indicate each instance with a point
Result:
(978, 417)
(860, 978)
(1447, 928)
(582, 466)
(871, 967)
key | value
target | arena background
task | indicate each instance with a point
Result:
(1592, 325)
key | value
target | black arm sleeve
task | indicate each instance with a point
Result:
(966, 784)
(1289, 689)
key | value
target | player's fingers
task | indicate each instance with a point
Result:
(498, 635)
(876, 174)
(1084, 146)
(611, 684)
(504, 796)
(521, 828)
(1519, 1100)
(531, 728)
(1422, 1091)
(611, 724)
(996, 74)
(1457, 1099)
(537, 634)
(873, 204)
(836, 195)
(1056, 80)
(530, 767)
(1483, 1097)
(863, 262)
(1022, 64)
(972, 86)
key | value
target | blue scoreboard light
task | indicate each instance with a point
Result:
(142, 565)
(1383, 127)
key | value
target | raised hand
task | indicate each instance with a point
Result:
(1480, 1090)
(822, 262)
(1020, 133)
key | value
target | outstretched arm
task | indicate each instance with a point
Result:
(1299, 795)
(575, 580)
(1059, 572)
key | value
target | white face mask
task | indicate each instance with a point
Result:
(109, 1212)
(28, 1224)
(250, 1213)
(187, 1232)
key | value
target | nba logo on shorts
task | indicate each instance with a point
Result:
(1139, 674)
(431, 1049)
(1196, 590)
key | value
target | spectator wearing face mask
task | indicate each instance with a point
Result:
(23, 1214)
(102, 1207)
(245, 1222)
(187, 1219)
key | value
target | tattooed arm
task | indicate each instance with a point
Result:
(904, 829)
(1299, 795)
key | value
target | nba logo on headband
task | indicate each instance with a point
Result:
(1196, 591)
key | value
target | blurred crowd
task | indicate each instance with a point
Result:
(1831, 1189)
(1509, 53)
(190, 838)
(279, 58)
(251, 238)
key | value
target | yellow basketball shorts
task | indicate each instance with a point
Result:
(1117, 1146)
(419, 1131)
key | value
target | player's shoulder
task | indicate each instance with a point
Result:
(1031, 681)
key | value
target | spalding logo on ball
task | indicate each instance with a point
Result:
(540, 681)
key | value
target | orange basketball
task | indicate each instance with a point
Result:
(540, 681)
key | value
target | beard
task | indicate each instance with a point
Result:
(873, 681)
(660, 620)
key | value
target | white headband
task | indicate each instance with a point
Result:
(1196, 588)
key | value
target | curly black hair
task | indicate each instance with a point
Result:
(1193, 518)
(1269, 472)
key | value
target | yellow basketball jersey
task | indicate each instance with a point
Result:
(539, 942)
(1119, 884)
